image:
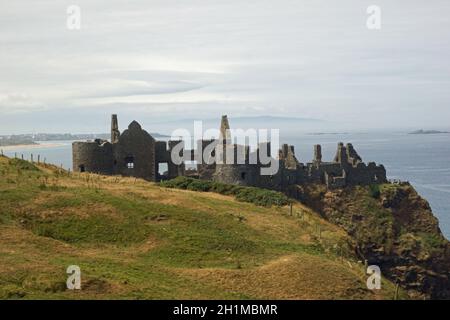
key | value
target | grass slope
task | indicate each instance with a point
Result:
(136, 240)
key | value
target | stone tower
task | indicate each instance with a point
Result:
(225, 134)
(317, 154)
(341, 155)
(115, 133)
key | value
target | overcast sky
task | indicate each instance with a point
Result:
(160, 60)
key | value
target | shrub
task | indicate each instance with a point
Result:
(178, 182)
(199, 185)
(260, 197)
(225, 189)
(374, 191)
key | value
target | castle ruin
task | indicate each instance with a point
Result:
(136, 153)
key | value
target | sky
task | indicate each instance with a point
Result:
(158, 61)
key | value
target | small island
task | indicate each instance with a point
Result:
(421, 131)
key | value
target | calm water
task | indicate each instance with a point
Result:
(424, 160)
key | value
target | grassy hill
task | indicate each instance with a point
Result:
(137, 240)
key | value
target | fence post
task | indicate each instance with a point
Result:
(396, 291)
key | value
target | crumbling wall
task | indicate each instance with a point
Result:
(334, 182)
(234, 168)
(92, 156)
(206, 167)
(175, 170)
(138, 146)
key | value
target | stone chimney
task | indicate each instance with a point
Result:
(341, 154)
(225, 135)
(317, 153)
(115, 133)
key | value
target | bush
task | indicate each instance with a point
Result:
(374, 191)
(260, 197)
(225, 189)
(178, 182)
(199, 185)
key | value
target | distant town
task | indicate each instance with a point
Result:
(30, 139)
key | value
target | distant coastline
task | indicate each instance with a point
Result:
(5, 144)
(35, 140)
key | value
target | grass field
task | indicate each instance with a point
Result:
(136, 240)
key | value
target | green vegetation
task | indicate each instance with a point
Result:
(22, 165)
(390, 222)
(374, 191)
(137, 240)
(260, 197)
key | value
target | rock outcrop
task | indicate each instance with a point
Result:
(393, 228)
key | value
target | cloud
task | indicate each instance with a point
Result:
(169, 58)
(18, 102)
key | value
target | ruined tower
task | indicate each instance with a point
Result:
(317, 154)
(225, 134)
(232, 166)
(115, 133)
(136, 153)
(341, 155)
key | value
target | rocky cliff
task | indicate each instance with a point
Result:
(394, 228)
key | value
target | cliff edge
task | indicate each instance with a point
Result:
(394, 228)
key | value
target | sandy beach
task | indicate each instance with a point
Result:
(31, 146)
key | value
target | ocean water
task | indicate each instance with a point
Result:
(423, 160)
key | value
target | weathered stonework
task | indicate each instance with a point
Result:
(95, 156)
(136, 153)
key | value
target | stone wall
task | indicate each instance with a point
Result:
(135, 146)
(94, 156)
(136, 153)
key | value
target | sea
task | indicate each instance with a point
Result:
(421, 159)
